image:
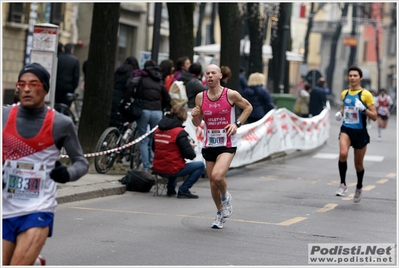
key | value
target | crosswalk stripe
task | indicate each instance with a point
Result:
(371, 158)
(381, 181)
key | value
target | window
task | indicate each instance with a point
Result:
(57, 14)
(17, 13)
(391, 51)
(126, 45)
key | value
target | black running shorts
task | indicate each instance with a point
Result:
(211, 153)
(359, 137)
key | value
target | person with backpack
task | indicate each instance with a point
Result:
(357, 105)
(257, 94)
(192, 82)
(171, 147)
(121, 79)
(154, 99)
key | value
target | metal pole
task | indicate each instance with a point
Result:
(286, 28)
(156, 32)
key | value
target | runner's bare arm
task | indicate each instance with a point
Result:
(196, 112)
(237, 99)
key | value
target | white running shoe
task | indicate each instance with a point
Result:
(227, 208)
(218, 222)
(379, 138)
(358, 196)
(342, 190)
(40, 260)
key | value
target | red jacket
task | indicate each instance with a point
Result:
(167, 156)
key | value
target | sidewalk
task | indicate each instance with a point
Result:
(90, 186)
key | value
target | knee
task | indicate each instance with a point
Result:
(216, 177)
(343, 155)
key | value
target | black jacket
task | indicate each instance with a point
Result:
(154, 94)
(170, 121)
(193, 87)
(317, 101)
(68, 72)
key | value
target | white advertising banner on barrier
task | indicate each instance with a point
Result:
(278, 131)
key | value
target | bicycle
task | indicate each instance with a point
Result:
(113, 138)
(64, 109)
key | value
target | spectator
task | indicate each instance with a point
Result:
(317, 100)
(182, 65)
(243, 79)
(121, 79)
(226, 74)
(167, 72)
(60, 48)
(302, 101)
(193, 83)
(155, 98)
(68, 72)
(259, 97)
(171, 146)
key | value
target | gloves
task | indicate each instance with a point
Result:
(359, 105)
(338, 116)
(60, 173)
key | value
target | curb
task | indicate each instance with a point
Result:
(80, 193)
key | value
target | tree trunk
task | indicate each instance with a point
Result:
(308, 30)
(278, 65)
(353, 49)
(96, 108)
(333, 52)
(256, 37)
(181, 36)
(198, 38)
(230, 22)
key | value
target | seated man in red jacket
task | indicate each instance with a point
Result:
(171, 147)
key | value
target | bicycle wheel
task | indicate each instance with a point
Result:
(108, 140)
(64, 109)
(135, 155)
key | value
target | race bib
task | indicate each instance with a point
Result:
(216, 138)
(351, 115)
(24, 181)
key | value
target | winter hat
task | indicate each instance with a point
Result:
(39, 71)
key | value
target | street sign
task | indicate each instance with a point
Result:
(312, 77)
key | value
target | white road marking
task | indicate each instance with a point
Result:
(371, 158)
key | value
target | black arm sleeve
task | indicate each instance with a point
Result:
(186, 150)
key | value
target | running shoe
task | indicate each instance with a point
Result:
(218, 222)
(227, 208)
(379, 138)
(358, 196)
(40, 260)
(342, 190)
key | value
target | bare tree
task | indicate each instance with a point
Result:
(198, 37)
(96, 108)
(230, 22)
(181, 24)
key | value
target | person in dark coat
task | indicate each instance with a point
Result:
(68, 72)
(171, 147)
(191, 80)
(121, 79)
(317, 100)
(182, 65)
(155, 99)
(257, 94)
(243, 79)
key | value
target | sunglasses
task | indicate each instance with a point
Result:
(31, 85)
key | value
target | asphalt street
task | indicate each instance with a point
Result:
(281, 205)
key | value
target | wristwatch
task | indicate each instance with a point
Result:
(238, 123)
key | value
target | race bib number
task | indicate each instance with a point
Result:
(24, 181)
(351, 115)
(216, 138)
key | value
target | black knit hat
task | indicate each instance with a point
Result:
(39, 71)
